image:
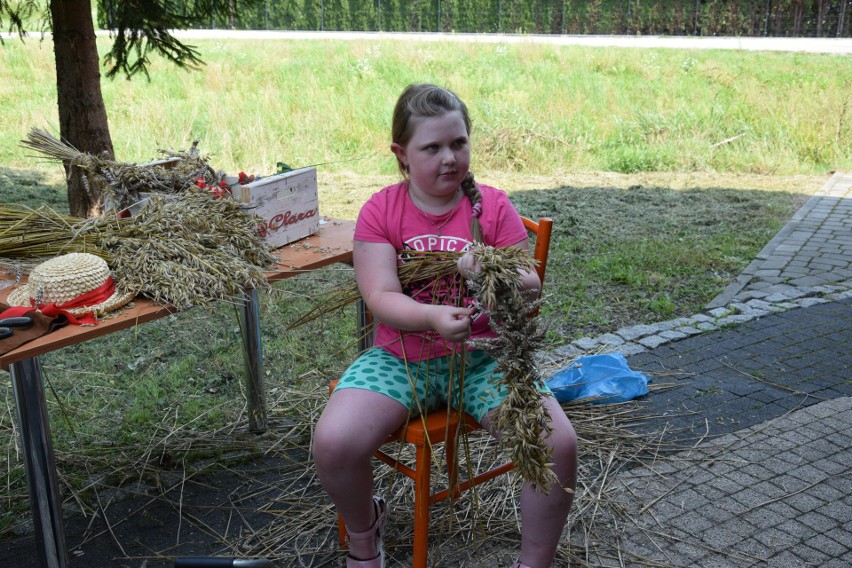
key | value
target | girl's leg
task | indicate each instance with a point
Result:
(353, 425)
(543, 516)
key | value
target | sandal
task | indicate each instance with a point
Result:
(376, 531)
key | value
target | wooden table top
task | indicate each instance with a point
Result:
(331, 244)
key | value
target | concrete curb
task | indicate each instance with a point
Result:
(745, 277)
(639, 338)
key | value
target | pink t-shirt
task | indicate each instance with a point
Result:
(390, 216)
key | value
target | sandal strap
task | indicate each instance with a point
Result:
(377, 526)
(377, 562)
(376, 531)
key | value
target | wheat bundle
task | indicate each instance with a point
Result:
(521, 418)
(29, 236)
(426, 267)
(122, 182)
(185, 250)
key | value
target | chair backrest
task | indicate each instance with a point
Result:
(542, 231)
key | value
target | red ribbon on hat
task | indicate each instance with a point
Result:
(93, 297)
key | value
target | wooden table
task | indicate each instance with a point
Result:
(332, 244)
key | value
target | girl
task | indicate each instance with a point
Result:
(437, 206)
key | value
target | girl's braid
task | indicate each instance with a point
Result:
(472, 192)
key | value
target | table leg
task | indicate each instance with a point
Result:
(39, 462)
(253, 360)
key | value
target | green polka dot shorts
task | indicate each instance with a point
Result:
(424, 385)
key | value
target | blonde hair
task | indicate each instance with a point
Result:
(425, 100)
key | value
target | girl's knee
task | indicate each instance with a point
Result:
(324, 447)
(567, 435)
(333, 446)
(562, 435)
(563, 442)
(563, 447)
(354, 423)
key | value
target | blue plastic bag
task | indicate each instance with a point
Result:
(603, 378)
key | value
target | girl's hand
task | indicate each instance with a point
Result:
(468, 266)
(453, 324)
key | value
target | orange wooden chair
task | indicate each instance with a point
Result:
(444, 425)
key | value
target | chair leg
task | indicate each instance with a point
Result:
(341, 532)
(451, 450)
(422, 490)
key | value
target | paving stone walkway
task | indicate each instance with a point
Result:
(810, 255)
(776, 494)
(762, 410)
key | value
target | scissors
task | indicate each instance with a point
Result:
(217, 562)
(6, 325)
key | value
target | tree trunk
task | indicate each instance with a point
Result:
(820, 16)
(82, 114)
(798, 14)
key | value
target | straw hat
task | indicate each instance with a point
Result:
(64, 278)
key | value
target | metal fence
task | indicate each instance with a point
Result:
(780, 18)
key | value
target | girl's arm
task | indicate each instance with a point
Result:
(529, 280)
(378, 282)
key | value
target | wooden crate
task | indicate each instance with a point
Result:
(288, 203)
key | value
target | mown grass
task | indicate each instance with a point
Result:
(648, 253)
(574, 133)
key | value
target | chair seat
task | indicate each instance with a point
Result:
(431, 429)
(434, 427)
